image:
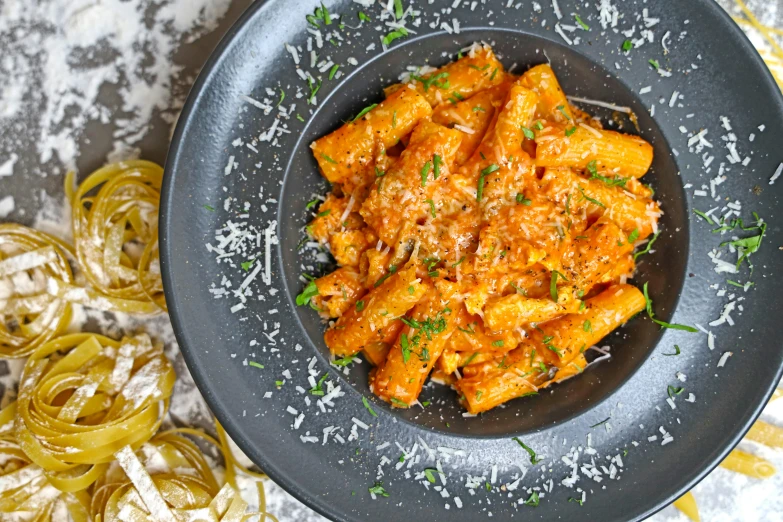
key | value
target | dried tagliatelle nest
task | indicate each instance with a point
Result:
(29, 260)
(115, 233)
(83, 396)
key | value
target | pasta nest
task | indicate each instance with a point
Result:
(84, 396)
(31, 316)
(115, 232)
(168, 479)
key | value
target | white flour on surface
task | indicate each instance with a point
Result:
(60, 58)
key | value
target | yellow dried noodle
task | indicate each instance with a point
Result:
(115, 232)
(168, 479)
(24, 490)
(30, 261)
(82, 397)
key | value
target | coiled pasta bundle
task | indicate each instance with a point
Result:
(168, 480)
(28, 261)
(24, 490)
(82, 397)
(115, 232)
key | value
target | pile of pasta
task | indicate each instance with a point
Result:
(82, 439)
(484, 230)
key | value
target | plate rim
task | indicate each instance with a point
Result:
(280, 477)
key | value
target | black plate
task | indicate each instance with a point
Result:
(216, 342)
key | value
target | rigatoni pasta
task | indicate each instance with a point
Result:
(484, 237)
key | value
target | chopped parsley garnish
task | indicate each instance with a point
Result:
(318, 390)
(432, 207)
(561, 108)
(522, 200)
(538, 125)
(581, 23)
(365, 111)
(601, 423)
(493, 74)
(436, 163)
(247, 264)
(406, 350)
(282, 97)
(456, 97)
(399, 403)
(368, 407)
(633, 236)
(311, 290)
(627, 45)
(411, 290)
(433, 80)
(469, 330)
(298, 117)
(325, 213)
(655, 64)
(279, 383)
(479, 393)
(473, 355)
(392, 270)
(647, 247)
(529, 134)
(426, 403)
(345, 361)
(570, 131)
(587, 326)
(327, 158)
(738, 285)
(314, 88)
(663, 324)
(479, 68)
(617, 181)
(553, 284)
(487, 171)
(359, 306)
(676, 351)
(425, 170)
(748, 245)
(532, 499)
(394, 35)
(498, 343)
(520, 291)
(461, 259)
(479, 109)
(673, 390)
(209, 208)
(430, 473)
(533, 457)
(577, 500)
(255, 365)
(398, 10)
(377, 489)
(591, 200)
(363, 17)
(312, 203)
(333, 71)
(704, 216)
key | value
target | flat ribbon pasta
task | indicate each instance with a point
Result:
(28, 261)
(115, 231)
(169, 480)
(83, 396)
(24, 490)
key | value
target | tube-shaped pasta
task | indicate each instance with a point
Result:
(687, 504)
(418, 347)
(478, 70)
(614, 154)
(748, 464)
(346, 153)
(402, 194)
(338, 291)
(565, 338)
(514, 310)
(472, 117)
(552, 101)
(382, 306)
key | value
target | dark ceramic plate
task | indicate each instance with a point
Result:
(716, 72)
